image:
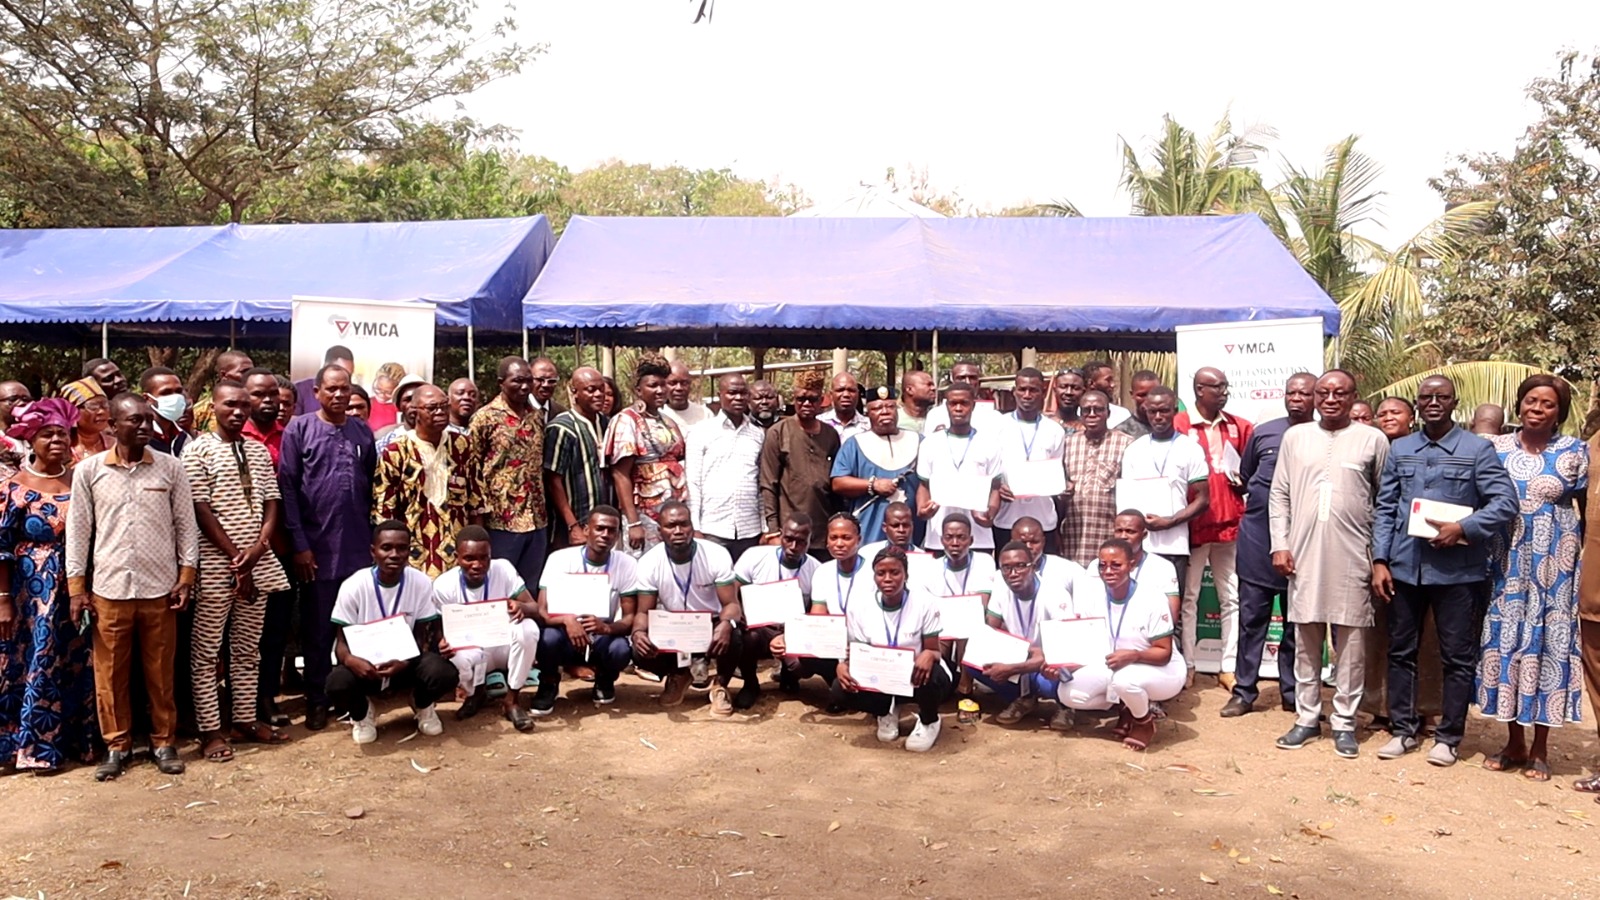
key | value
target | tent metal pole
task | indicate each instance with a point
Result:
(933, 361)
(524, 342)
(105, 340)
(233, 333)
(472, 368)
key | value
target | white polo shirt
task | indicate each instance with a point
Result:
(501, 582)
(1020, 442)
(944, 456)
(1179, 462)
(619, 568)
(763, 564)
(362, 600)
(686, 587)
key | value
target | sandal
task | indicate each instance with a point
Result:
(1124, 723)
(216, 750)
(258, 733)
(1501, 762)
(1537, 770)
(1140, 733)
(1590, 785)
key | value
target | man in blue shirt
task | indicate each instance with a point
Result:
(1447, 572)
(1259, 583)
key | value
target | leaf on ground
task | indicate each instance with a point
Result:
(354, 812)
(1274, 890)
(1233, 853)
(111, 864)
(771, 834)
(550, 809)
(199, 803)
(1243, 860)
(1276, 859)
(1212, 792)
(1184, 767)
(1207, 878)
(1312, 831)
(422, 768)
(833, 826)
(938, 845)
(1325, 824)
(1388, 819)
(1217, 844)
(221, 836)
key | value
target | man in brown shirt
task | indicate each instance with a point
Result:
(132, 525)
(795, 467)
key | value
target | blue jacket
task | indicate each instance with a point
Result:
(1256, 467)
(1460, 468)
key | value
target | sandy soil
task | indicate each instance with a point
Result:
(634, 801)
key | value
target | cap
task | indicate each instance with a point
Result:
(879, 393)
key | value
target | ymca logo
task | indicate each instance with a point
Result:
(1257, 347)
(347, 327)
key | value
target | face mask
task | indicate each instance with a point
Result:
(171, 407)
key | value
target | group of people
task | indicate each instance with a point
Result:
(154, 552)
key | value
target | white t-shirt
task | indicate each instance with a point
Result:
(943, 456)
(977, 577)
(840, 591)
(1057, 570)
(360, 601)
(1158, 573)
(1116, 415)
(917, 618)
(620, 569)
(763, 564)
(686, 587)
(919, 563)
(984, 415)
(1180, 462)
(1135, 623)
(501, 582)
(1022, 617)
(1020, 441)
(688, 417)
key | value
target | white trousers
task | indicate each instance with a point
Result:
(1349, 674)
(1222, 559)
(516, 659)
(1098, 687)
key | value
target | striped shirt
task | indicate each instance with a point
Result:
(572, 450)
(721, 463)
(132, 526)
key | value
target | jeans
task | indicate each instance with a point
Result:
(1455, 615)
(927, 698)
(1255, 615)
(1035, 683)
(430, 677)
(608, 654)
(525, 550)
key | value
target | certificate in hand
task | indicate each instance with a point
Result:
(959, 616)
(580, 594)
(1151, 496)
(1423, 509)
(819, 637)
(483, 624)
(1036, 478)
(963, 490)
(386, 640)
(1074, 642)
(990, 646)
(882, 670)
(771, 602)
(685, 632)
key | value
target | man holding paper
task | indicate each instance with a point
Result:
(1444, 497)
(1164, 476)
(958, 467)
(474, 581)
(1020, 603)
(587, 602)
(388, 637)
(1032, 446)
(775, 586)
(690, 585)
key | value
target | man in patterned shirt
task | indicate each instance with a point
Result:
(1093, 456)
(429, 479)
(573, 460)
(508, 438)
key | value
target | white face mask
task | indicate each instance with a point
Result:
(171, 407)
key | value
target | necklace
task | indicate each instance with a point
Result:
(38, 474)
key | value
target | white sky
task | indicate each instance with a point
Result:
(1007, 102)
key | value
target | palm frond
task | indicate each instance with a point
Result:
(1487, 381)
(1061, 208)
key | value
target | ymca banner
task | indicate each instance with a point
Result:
(374, 331)
(1257, 357)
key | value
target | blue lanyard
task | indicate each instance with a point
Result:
(1027, 445)
(1033, 608)
(794, 572)
(844, 592)
(606, 570)
(683, 583)
(966, 572)
(466, 595)
(1116, 633)
(892, 639)
(948, 437)
(377, 588)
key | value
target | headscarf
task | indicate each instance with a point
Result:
(82, 391)
(27, 421)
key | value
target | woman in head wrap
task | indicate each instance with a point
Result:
(46, 685)
(94, 418)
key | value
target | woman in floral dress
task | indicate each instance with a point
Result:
(46, 685)
(1529, 672)
(645, 450)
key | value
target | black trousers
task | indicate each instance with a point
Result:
(1255, 615)
(927, 698)
(735, 546)
(274, 640)
(430, 677)
(1455, 613)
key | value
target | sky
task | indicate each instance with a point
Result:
(1008, 102)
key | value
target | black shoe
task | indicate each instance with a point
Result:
(1286, 705)
(604, 694)
(544, 699)
(788, 681)
(316, 718)
(168, 762)
(1346, 745)
(1235, 708)
(115, 763)
(1299, 736)
(469, 707)
(519, 718)
(747, 695)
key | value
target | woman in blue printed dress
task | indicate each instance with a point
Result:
(1529, 672)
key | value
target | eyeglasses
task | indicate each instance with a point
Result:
(434, 407)
(1015, 567)
(807, 398)
(1323, 394)
(1434, 398)
(1093, 410)
(545, 380)
(1220, 388)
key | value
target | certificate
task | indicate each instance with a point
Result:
(685, 632)
(771, 602)
(580, 594)
(483, 624)
(882, 670)
(1075, 642)
(1036, 478)
(959, 616)
(990, 646)
(386, 640)
(963, 490)
(820, 637)
(1151, 496)
(1422, 510)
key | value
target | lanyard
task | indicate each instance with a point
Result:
(794, 572)
(377, 588)
(606, 569)
(892, 639)
(1033, 608)
(685, 583)
(466, 593)
(1116, 633)
(1161, 468)
(1027, 445)
(948, 437)
(966, 572)
(848, 586)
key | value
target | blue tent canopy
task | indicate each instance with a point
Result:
(477, 271)
(1057, 278)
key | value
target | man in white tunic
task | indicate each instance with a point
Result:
(1321, 511)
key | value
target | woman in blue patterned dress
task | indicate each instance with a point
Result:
(46, 685)
(1529, 672)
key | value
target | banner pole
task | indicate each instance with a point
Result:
(472, 369)
(105, 340)
(933, 361)
(524, 342)
(233, 325)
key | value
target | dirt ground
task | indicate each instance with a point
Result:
(633, 801)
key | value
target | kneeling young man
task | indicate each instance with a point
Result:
(390, 588)
(763, 564)
(475, 579)
(571, 640)
(682, 574)
(1019, 602)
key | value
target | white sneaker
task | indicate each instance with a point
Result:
(428, 721)
(365, 729)
(923, 736)
(889, 727)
